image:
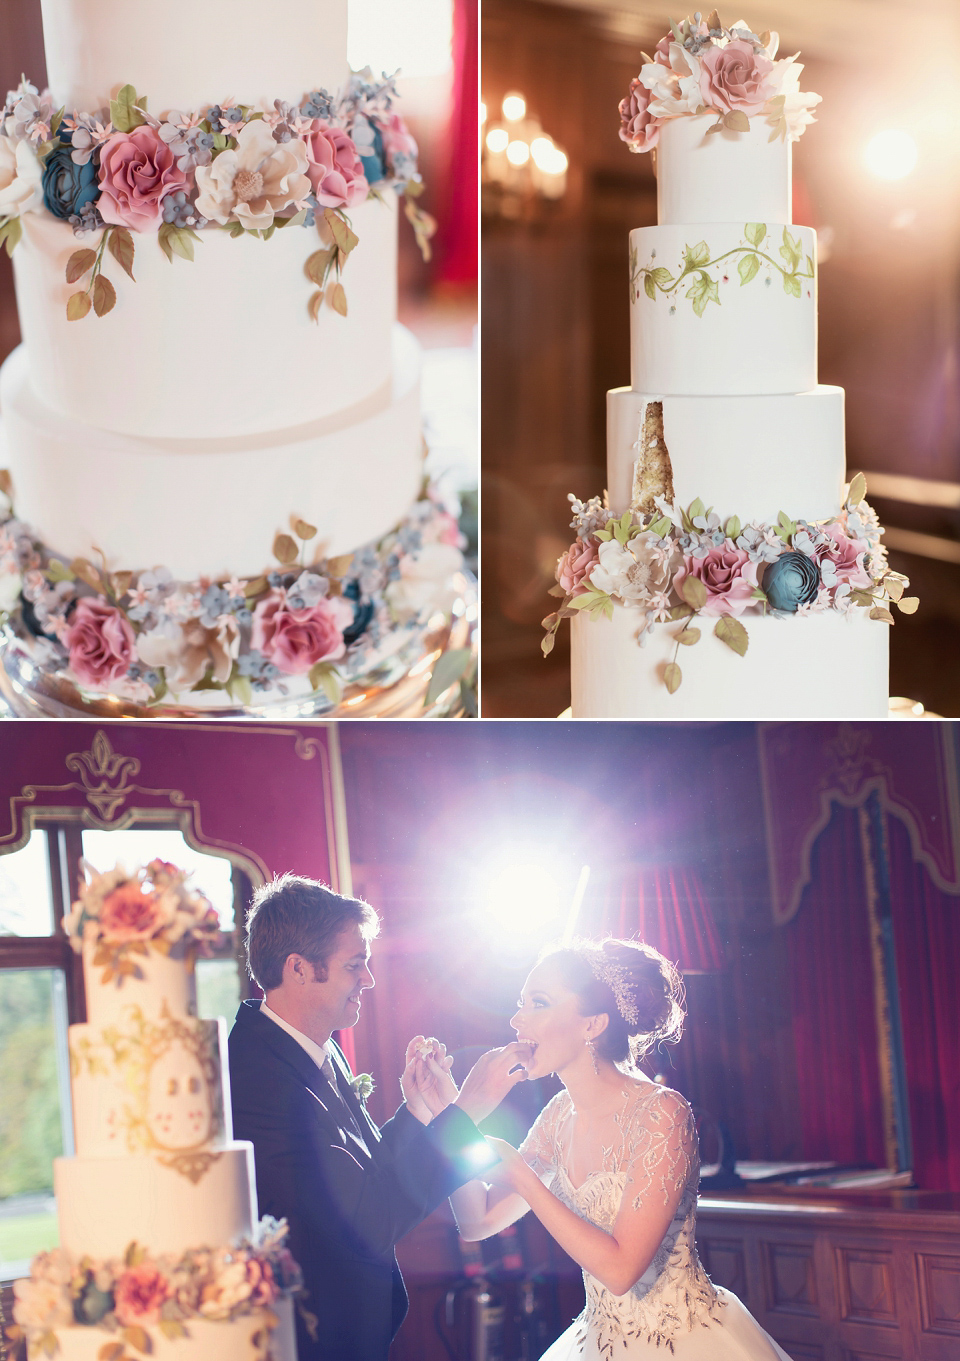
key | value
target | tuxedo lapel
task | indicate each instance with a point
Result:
(345, 1085)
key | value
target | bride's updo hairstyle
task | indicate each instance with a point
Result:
(639, 990)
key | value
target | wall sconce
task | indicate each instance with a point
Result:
(520, 163)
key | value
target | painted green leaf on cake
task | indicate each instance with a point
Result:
(755, 232)
(693, 256)
(732, 632)
(125, 110)
(791, 250)
(810, 265)
(78, 305)
(672, 676)
(703, 290)
(748, 268)
(120, 246)
(80, 263)
(791, 285)
(858, 490)
(649, 287)
(694, 592)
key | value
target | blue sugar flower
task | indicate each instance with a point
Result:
(793, 580)
(67, 187)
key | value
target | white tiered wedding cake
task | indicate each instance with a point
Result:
(160, 1253)
(211, 433)
(727, 509)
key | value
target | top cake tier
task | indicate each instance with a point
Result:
(721, 176)
(184, 54)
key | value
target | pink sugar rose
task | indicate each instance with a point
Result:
(138, 1295)
(735, 77)
(334, 168)
(577, 564)
(137, 172)
(397, 138)
(295, 640)
(847, 556)
(101, 643)
(638, 129)
(729, 576)
(130, 912)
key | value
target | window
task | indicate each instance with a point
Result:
(41, 993)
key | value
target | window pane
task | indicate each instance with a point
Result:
(33, 1111)
(138, 846)
(218, 988)
(26, 903)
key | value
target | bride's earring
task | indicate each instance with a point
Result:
(591, 1045)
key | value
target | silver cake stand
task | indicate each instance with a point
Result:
(398, 688)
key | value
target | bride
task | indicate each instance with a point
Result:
(611, 1165)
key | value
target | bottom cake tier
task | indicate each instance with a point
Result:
(252, 1337)
(823, 666)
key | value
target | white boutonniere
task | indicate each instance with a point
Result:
(363, 1085)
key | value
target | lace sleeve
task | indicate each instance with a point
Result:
(539, 1148)
(661, 1150)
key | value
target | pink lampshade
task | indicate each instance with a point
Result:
(665, 906)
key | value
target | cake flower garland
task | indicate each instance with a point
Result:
(128, 915)
(124, 173)
(125, 1296)
(687, 567)
(702, 67)
(142, 635)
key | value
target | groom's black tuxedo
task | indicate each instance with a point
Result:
(348, 1189)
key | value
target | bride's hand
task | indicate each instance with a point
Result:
(511, 1171)
(427, 1085)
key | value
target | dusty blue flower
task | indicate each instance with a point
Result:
(67, 187)
(793, 580)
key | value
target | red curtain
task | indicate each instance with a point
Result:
(831, 982)
(927, 939)
(666, 907)
(457, 246)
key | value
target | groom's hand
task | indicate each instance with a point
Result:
(490, 1078)
(427, 1085)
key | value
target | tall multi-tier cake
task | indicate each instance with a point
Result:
(214, 486)
(730, 571)
(160, 1251)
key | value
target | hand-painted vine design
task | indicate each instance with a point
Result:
(696, 262)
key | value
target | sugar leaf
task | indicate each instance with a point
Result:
(337, 298)
(694, 592)
(285, 549)
(672, 676)
(688, 637)
(450, 666)
(124, 113)
(79, 263)
(303, 530)
(908, 604)
(878, 612)
(732, 632)
(858, 490)
(78, 305)
(104, 295)
(120, 246)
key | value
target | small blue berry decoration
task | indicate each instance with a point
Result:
(67, 187)
(791, 581)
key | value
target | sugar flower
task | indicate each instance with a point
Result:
(253, 183)
(21, 178)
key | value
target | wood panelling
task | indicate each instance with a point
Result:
(867, 1293)
(791, 1278)
(939, 1282)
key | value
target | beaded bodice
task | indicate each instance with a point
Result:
(653, 1157)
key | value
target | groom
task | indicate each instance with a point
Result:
(348, 1190)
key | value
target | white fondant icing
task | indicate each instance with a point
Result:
(722, 176)
(213, 507)
(227, 1340)
(221, 346)
(823, 666)
(236, 49)
(149, 1086)
(165, 985)
(745, 456)
(106, 1203)
(756, 339)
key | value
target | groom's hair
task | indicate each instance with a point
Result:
(296, 916)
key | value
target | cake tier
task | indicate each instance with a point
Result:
(823, 666)
(215, 505)
(722, 307)
(723, 176)
(221, 346)
(104, 1204)
(163, 984)
(226, 1340)
(149, 1086)
(241, 50)
(746, 456)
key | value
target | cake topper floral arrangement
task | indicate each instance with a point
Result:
(702, 67)
(684, 567)
(121, 171)
(142, 635)
(125, 1296)
(127, 915)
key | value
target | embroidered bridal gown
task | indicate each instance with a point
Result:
(674, 1306)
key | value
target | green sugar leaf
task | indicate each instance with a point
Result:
(908, 604)
(125, 115)
(448, 670)
(694, 592)
(687, 637)
(733, 527)
(120, 246)
(858, 490)
(672, 676)
(736, 120)
(732, 632)
(285, 549)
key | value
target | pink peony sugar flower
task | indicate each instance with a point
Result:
(729, 576)
(295, 640)
(847, 556)
(139, 1293)
(101, 643)
(577, 563)
(735, 77)
(137, 172)
(130, 912)
(638, 129)
(334, 168)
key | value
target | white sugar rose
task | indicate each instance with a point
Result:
(20, 178)
(256, 181)
(186, 650)
(425, 582)
(636, 572)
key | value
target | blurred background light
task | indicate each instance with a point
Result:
(891, 154)
(514, 107)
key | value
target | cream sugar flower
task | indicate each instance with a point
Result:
(256, 181)
(21, 173)
(674, 89)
